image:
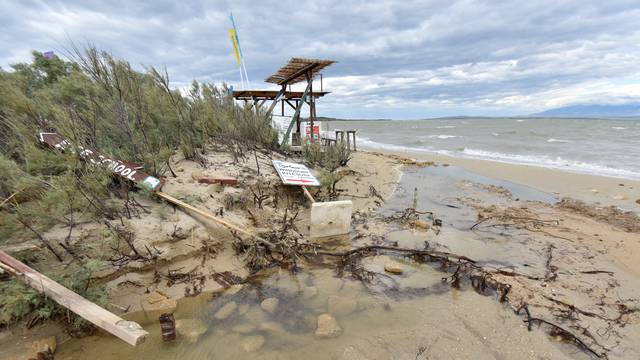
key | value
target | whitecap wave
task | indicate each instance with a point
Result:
(443, 137)
(445, 127)
(495, 134)
(618, 128)
(553, 163)
(552, 140)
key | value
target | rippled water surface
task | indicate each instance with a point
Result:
(597, 146)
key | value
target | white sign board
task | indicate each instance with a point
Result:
(295, 174)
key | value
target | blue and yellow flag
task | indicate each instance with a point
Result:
(234, 41)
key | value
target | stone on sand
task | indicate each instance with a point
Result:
(195, 175)
(341, 306)
(158, 302)
(393, 268)
(327, 327)
(270, 305)
(226, 311)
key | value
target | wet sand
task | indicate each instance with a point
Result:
(605, 191)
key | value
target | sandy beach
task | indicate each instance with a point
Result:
(551, 256)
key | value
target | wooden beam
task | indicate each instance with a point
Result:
(290, 104)
(130, 332)
(275, 100)
(299, 73)
(209, 216)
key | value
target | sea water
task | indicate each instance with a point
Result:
(608, 147)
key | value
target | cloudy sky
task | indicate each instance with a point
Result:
(397, 59)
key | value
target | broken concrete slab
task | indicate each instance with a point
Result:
(330, 218)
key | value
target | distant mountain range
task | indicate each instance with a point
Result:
(627, 110)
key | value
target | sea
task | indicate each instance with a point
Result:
(607, 147)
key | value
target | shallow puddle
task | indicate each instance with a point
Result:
(421, 316)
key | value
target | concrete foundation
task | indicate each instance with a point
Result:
(330, 218)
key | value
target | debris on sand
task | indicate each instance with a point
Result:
(626, 220)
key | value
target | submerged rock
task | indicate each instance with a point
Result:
(341, 306)
(272, 327)
(393, 268)
(270, 305)
(242, 309)
(244, 328)
(226, 311)
(328, 327)
(252, 343)
(255, 315)
(309, 292)
(191, 329)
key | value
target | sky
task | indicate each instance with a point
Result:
(396, 59)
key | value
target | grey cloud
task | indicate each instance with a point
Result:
(400, 58)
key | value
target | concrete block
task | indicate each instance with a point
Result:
(330, 218)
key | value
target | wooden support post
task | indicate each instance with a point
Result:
(296, 116)
(308, 194)
(351, 133)
(130, 332)
(311, 104)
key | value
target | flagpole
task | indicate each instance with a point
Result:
(242, 64)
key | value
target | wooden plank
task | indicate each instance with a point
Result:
(129, 331)
(224, 223)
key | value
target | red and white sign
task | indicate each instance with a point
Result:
(315, 135)
(295, 174)
(121, 168)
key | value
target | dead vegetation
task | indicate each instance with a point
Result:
(626, 220)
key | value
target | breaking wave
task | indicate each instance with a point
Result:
(532, 160)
